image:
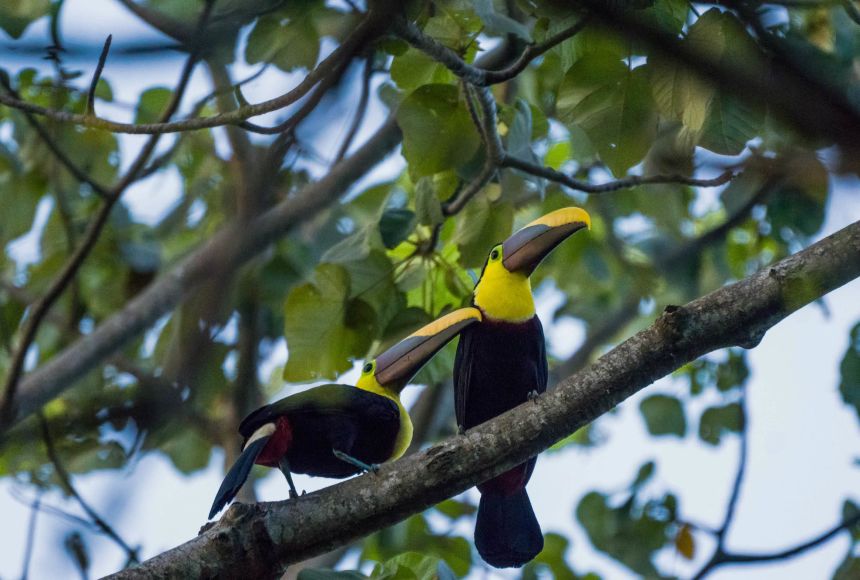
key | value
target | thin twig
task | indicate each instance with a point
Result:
(360, 110)
(485, 120)
(740, 558)
(91, 95)
(631, 181)
(306, 109)
(732, 506)
(474, 75)
(31, 536)
(66, 482)
(349, 46)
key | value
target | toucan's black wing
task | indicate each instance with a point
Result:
(464, 363)
(325, 400)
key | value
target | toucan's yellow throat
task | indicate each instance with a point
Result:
(504, 292)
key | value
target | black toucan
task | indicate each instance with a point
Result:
(501, 363)
(339, 430)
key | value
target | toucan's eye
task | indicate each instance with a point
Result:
(494, 255)
(367, 367)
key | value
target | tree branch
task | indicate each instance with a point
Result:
(255, 540)
(368, 27)
(66, 481)
(631, 181)
(232, 246)
(740, 558)
(94, 83)
(816, 110)
(475, 75)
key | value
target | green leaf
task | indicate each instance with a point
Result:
(428, 209)
(414, 68)
(800, 203)
(645, 473)
(455, 509)
(664, 415)
(482, 225)
(629, 535)
(287, 39)
(395, 225)
(323, 327)
(188, 450)
(413, 566)
(152, 104)
(734, 372)
(849, 386)
(613, 105)
(438, 133)
(17, 15)
(731, 123)
(716, 421)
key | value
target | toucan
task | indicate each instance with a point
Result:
(501, 363)
(339, 430)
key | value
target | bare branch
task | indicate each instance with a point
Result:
(627, 182)
(31, 536)
(813, 108)
(91, 94)
(741, 558)
(360, 110)
(475, 75)
(368, 27)
(259, 539)
(66, 481)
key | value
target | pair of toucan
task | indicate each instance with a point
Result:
(338, 430)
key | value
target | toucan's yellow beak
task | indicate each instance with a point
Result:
(396, 366)
(525, 249)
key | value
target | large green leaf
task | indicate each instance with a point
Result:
(324, 328)
(438, 133)
(629, 534)
(613, 105)
(482, 225)
(717, 421)
(413, 566)
(288, 39)
(664, 415)
(17, 15)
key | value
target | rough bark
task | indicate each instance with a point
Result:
(260, 540)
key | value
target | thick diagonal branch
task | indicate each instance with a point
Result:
(259, 539)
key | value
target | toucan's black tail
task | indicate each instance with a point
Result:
(507, 533)
(237, 475)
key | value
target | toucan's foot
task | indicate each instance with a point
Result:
(293, 494)
(367, 467)
(533, 396)
(461, 430)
